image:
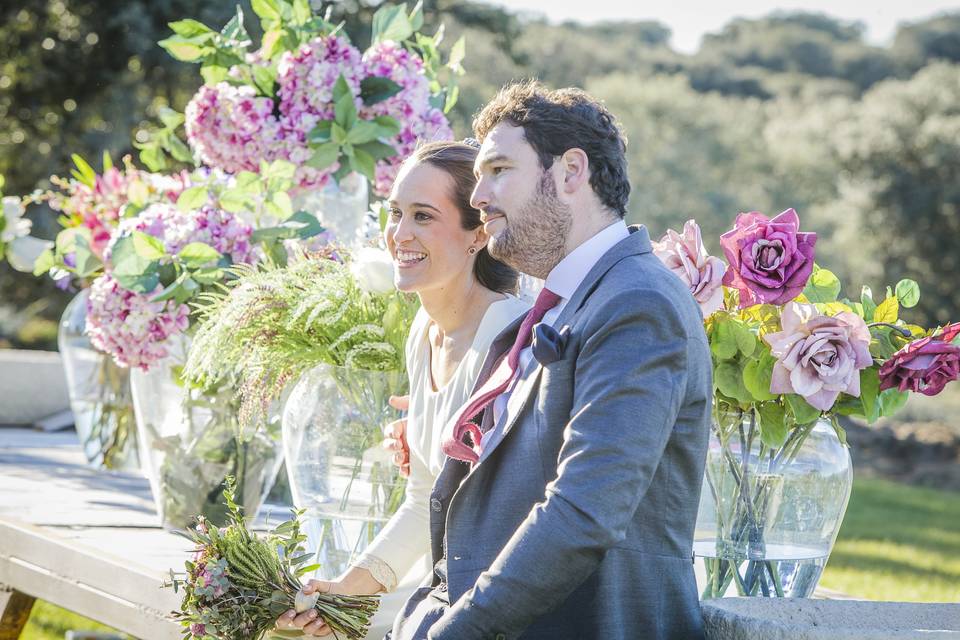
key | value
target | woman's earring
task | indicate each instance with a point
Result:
(472, 250)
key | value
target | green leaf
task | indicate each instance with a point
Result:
(198, 254)
(416, 16)
(457, 53)
(803, 413)
(320, 133)
(364, 163)
(374, 89)
(888, 311)
(268, 10)
(363, 131)
(324, 155)
(757, 375)
(389, 126)
(278, 170)
(453, 94)
(729, 380)
(345, 111)
(773, 424)
(301, 12)
(280, 205)
(379, 150)
(84, 172)
(265, 78)
(190, 28)
(86, 260)
(723, 342)
(823, 286)
(183, 49)
(908, 293)
(131, 270)
(107, 161)
(892, 400)
(147, 246)
(391, 22)
(236, 200)
(869, 392)
(299, 225)
(234, 30)
(192, 198)
(207, 275)
(178, 149)
(45, 261)
(746, 341)
(869, 306)
(170, 118)
(170, 291)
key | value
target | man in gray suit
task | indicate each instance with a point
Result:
(567, 507)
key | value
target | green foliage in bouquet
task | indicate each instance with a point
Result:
(272, 324)
(238, 583)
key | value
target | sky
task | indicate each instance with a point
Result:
(690, 19)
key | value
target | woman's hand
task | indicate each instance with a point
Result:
(356, 581)
(395, 436)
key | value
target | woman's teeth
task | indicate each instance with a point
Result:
(410, 257)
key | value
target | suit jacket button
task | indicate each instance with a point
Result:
(501, 636)
(436, 505)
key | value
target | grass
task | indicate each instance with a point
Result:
(49, 622)
(898, 542)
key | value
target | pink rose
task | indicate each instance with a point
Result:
(925, 365)
(818, 356)
(686, 256)
(770, 260)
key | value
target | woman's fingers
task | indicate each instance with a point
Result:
(401, 403)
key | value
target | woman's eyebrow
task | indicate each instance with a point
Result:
(423, 205)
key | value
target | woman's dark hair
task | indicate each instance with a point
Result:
(457, 159)
(555, 121)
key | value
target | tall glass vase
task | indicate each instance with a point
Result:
(341, 208)
(769, 517)
(332, 428)
(191, 440)
(99, 393)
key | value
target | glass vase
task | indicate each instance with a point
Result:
(340, 208)
(769, 517)
(332, 428)
(99, 393)
(191, 440)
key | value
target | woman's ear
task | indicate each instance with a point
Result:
(576, 169)
(480, 239)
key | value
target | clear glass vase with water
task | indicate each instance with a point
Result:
(768, 517)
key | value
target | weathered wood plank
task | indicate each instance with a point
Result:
(14, 612)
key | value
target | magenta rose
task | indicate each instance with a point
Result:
(686, 256)
(925, 365)
(770, 260)
(819, 356)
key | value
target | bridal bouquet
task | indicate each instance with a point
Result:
(238, 583)
(308, 95)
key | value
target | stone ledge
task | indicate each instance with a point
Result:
(799, 619)
(32, 386)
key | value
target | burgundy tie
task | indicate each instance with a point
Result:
(497, 383)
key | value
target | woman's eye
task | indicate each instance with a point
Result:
(395, 214)
(421, 216)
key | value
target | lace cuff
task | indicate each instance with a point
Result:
(379, 569)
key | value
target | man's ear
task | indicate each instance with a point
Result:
(576, 169)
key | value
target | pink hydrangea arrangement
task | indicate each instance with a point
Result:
(156, 263)
(285, 100)
(786, 346)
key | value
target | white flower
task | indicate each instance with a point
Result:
(23, 252)
(16, 226)
(373, 269)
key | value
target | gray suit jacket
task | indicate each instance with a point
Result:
(579, 522)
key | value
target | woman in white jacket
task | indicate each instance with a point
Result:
(438, 245)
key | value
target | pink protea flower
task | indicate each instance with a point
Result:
(685, 255)
(925, 365)
(819, 356)
(770, 260)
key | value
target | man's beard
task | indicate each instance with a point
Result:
(534, 238)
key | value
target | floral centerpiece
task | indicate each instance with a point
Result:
(789, 357)
(142, 310)
(306, 94)
(327, 333)
(239, 582)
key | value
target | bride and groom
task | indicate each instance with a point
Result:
(554, 453)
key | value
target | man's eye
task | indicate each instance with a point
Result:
(498, 170)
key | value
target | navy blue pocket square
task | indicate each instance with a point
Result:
(548, 343)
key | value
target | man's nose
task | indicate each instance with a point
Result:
(480, 198)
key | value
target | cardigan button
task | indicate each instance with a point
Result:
(436, 505)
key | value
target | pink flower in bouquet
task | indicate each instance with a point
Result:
(220, 229)
(770, 260)
(686, 256)
(925, 365)
(128, 326)
(232, 128)
(819, 356)
(198, 630)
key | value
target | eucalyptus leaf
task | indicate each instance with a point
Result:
(908, 293)
(823, 286)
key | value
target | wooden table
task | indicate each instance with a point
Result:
(90, 541)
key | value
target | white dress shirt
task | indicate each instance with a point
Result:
(564, 279)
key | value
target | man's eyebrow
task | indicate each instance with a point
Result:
(490, 159)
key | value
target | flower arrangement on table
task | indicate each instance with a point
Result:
(326, 334)
(309, 96)
(239, 582)
(788, 351)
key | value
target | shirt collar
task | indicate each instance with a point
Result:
(564, 278)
